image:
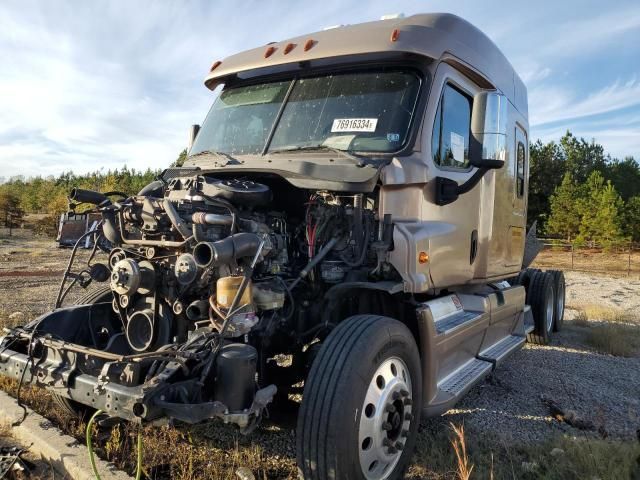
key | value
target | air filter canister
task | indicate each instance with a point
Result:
(235, 376)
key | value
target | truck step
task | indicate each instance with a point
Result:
(501, 350)
(465, 377)
(528, 320)
(454, 321)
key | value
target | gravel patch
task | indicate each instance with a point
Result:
(601, 388)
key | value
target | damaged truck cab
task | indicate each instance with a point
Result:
(350, 217)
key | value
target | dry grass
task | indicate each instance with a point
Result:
(215, 451)
(611, 331)
(615, 339)
(463, 466)
(599, 313)
(582, 458)
(589, 261)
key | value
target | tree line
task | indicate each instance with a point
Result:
(576, 191)
(582, 195)
(49, 195)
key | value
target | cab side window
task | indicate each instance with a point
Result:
(450, 138)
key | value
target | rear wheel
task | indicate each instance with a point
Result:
(525, 276)
(71, 407)
(559, 291)
(541, 298)
(361, 404)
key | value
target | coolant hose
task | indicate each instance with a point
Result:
(92, 455)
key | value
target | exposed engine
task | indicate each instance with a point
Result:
(211, 280)
(195, 251)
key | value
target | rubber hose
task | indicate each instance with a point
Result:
(92, 458)
(175, 219)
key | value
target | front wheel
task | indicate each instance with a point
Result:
(71, 407)
(361, 403)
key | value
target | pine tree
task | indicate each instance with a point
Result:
(565, 215)
(601, 220)
(632, 218)
(180, 160)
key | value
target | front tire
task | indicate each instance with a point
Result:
(361, 403)
(71, 407)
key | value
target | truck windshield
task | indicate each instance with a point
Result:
(365, 111)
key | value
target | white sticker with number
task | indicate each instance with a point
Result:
(457, 147)
(354, 125)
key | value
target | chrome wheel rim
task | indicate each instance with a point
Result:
(549, 311)
(385, 419)
(560, 301)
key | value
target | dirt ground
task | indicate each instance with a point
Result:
(507, 418)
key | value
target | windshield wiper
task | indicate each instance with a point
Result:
(229, 158)
(326, 148)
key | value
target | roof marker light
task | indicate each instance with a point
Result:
(309, 44)
(395, 34)
(269, 51)
(215, 65)
(289, 47)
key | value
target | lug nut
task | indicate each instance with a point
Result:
(386, 442)
(386, 426)
(392, 450)
(407, 401)
(399, 445)
(395, 395)
(404, 433)
(390, 408)
(404, 393)
(408, 416)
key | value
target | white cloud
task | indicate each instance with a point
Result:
(86, 85)
(553, 104)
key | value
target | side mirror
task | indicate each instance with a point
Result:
(489, 129)
(193, 133)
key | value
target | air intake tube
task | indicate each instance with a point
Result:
(89, 196)
(109, 228)
(223, 251)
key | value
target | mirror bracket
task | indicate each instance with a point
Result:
(448, 191)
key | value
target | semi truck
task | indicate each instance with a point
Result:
(349, 225)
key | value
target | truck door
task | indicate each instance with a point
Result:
(453, 228)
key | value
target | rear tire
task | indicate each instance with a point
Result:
(540, 296)
(525, 276)
(71, 407)
(559, 292)
(362, 402)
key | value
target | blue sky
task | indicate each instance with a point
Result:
(88, 85)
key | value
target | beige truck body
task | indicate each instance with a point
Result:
(490, 219)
